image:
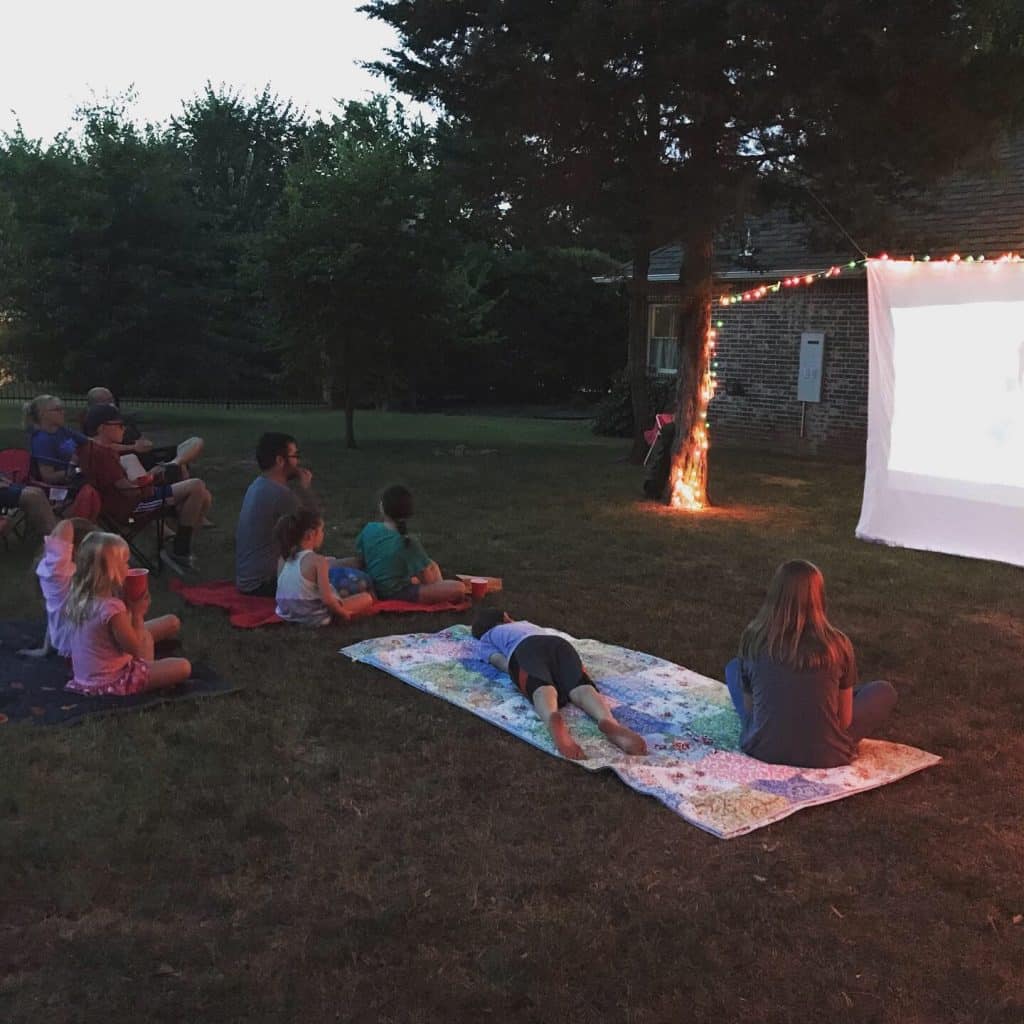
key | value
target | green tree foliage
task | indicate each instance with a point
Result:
(668, 116)
(238, 152)
(112, 273)
(558, 331)
(144, 258)
(365, 259)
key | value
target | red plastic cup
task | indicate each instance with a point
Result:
(478, 588)
(136, 583)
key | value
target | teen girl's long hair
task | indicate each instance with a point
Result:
(396, 503)
(292, 527)
(93, 574)
(792, 628)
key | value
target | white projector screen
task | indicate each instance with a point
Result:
(945, 453)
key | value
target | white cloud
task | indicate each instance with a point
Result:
(59, 54)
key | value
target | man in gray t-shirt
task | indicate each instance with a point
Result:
(274, 493)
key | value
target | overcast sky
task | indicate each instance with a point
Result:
(59, 54)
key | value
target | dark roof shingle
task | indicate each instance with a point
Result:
(978, 211)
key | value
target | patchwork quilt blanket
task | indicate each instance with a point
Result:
(694, 767)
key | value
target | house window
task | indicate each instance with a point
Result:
(663, 339)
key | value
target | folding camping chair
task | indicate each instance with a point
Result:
(77, 499)
(12, 471)
(15, 468)
(15, 464)
(132, 529)
(661, 420)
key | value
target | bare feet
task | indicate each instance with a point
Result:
(625, 739)
(566, 745)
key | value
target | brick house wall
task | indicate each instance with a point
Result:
(758, 356)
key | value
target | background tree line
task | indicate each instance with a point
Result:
(245, 250)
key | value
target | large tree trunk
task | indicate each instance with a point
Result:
(637, 349)
(688, 477)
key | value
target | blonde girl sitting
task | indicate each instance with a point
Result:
(304, 592)
(112, 644)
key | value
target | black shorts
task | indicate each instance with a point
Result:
(546, 660)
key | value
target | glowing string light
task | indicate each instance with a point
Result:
(688, 481)
(803, 280)
(687, 490)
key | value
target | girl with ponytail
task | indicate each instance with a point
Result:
(395, 560)
(308, 593)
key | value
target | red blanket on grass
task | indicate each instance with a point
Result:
(249, 612)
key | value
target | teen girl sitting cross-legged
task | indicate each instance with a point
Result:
(794, 684)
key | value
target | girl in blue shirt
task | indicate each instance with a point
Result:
(54, 446)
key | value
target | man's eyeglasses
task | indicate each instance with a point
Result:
(291, 455)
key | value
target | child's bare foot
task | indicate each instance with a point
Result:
(625, 739)
(566, 745)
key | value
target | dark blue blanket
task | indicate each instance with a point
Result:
(32, 689)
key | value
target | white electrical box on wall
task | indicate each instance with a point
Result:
(812, 362)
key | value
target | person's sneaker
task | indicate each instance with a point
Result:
(183, 565)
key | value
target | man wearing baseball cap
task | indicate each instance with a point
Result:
(123, 498)
(172, 460)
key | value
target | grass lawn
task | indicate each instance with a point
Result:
(333, 845)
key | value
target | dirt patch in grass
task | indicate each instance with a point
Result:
(733, 512)
(1004, 623)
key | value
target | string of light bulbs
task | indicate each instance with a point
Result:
(803, 280)
(687, 483)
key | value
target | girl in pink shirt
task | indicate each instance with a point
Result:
(111, 642)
